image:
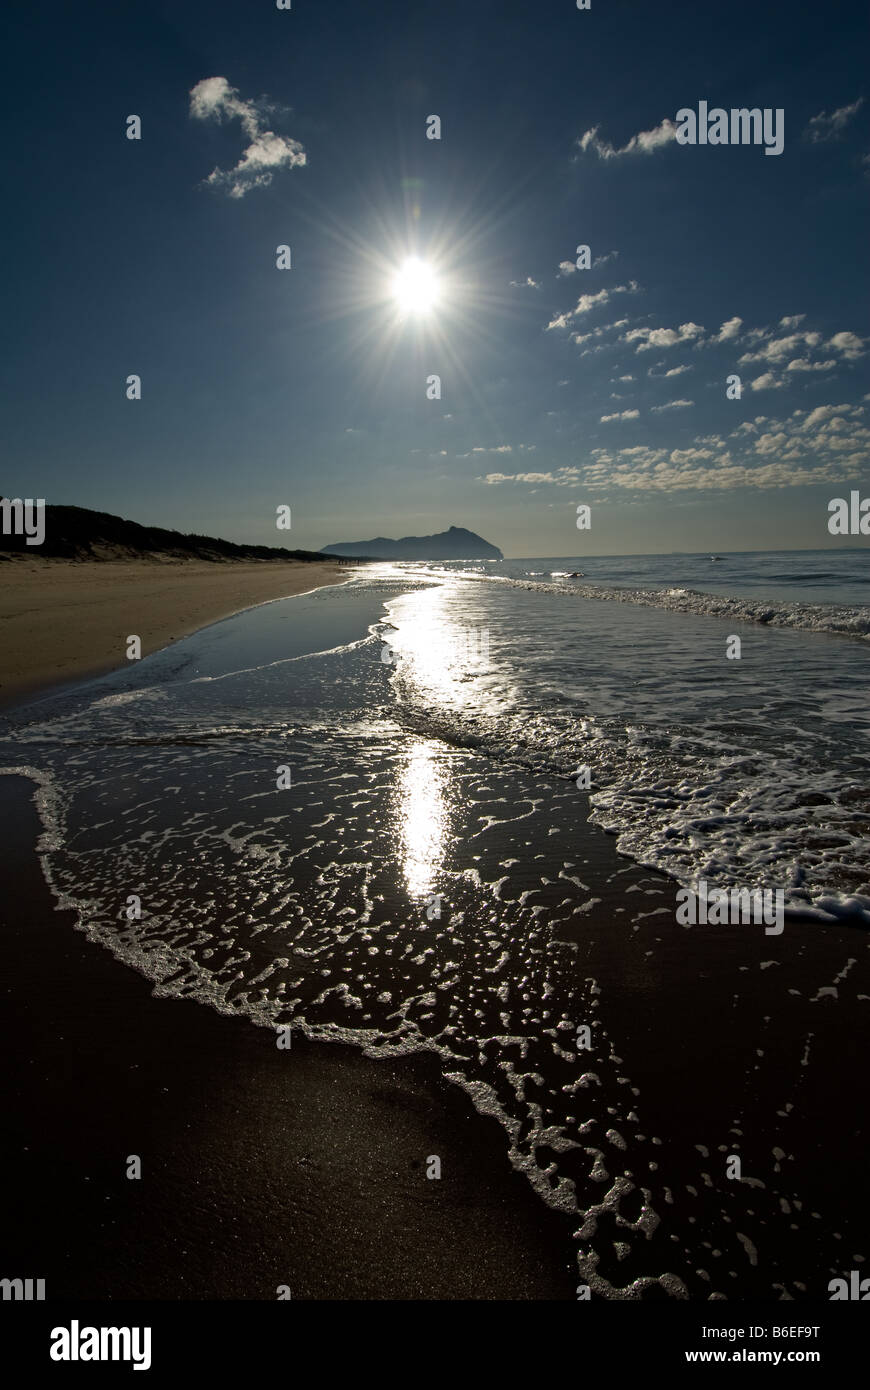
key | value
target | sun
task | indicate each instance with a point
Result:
(415, 286)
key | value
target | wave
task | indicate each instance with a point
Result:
(744, 786)
(838, 619)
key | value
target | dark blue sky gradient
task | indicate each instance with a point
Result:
(263, 387)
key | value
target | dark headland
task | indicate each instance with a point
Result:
(454, 544)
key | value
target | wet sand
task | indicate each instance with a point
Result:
(307, 1168)
(260, 1167)
(65, 620)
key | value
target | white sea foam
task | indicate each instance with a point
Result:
(308, 905)
(844, 620)
(751, 772)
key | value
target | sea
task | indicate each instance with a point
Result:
(446, 808)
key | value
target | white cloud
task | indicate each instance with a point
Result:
(561, 475)
(777, 349)
(600, 332)
(729, 330)
(830, 445)
(797, 349)
(623, 415)
(802, 364)
(214, 99)
(527, 284)
(766, 382)
(716, 475)
(590, 301)
(587, 302)
(640, 453)
(770, 443)
(645, 142)
(681, 456)
(849, 344)
(822, 413)
(663, 337)
(826, 127)
(672, 405)
(678, 371)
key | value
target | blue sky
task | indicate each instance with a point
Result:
(559, 386)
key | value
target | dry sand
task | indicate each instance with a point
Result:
(62, 620)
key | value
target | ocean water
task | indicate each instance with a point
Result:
(840, 578)
(357, 812)
(747, 770)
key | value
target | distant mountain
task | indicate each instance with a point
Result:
(77, 533)
(455, 544)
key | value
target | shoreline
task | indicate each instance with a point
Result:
(261, 1160)
(260, 1168)
(64, 621)
(267, 1168)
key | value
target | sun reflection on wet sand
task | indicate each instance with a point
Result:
(441, 658)
(422, 786)
(435, 652)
